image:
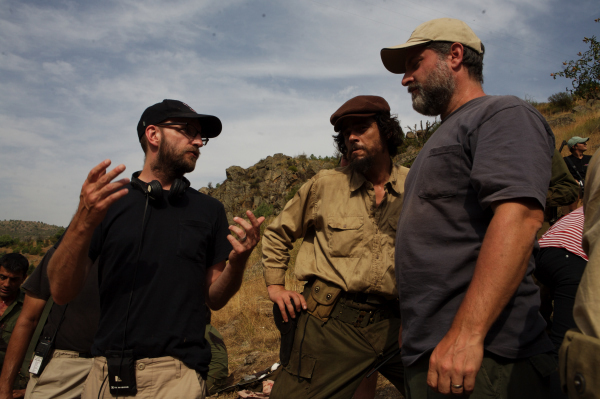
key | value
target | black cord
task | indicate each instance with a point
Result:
(300, 349)
(102, 386)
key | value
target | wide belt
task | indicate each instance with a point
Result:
(362, 315)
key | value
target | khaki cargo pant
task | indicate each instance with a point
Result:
(63, 377)
(162, 377)
(335, 358)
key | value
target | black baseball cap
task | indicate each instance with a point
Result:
(157, 113)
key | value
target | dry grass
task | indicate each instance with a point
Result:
(246, 322)
(585, 125)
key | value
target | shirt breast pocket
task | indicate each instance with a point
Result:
(193, 239)
(439, 174)
(345, 234)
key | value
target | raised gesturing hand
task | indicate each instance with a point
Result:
(99, 192)
(249, 236)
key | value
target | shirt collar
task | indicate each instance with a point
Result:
(357, 180)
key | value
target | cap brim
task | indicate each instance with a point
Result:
(336, 127)
(394, 58)
(211, 125)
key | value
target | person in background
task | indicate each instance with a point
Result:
(579, 355)
(578, 164)
(218, 369)
(13, 271)
(560, 263)
(72, 328)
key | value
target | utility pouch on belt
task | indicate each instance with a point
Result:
(287, 331)
(121, 373)
(579, 364)
(321, 298)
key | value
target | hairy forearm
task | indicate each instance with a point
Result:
(225, 286)
(19, 342)
(70, 263)
(500, 267)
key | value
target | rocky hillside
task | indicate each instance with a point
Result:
(28, 230)
(266, 187)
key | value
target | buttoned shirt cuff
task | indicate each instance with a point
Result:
(274, 276)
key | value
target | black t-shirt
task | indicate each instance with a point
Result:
(181, 239)
(76, 332)
(580, 165)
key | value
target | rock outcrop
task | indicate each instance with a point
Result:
(268, 184)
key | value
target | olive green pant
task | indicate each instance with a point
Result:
(335, 358)
(498, 378)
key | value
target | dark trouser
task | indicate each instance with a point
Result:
(560, 271)
(498, 378)
(335, 358)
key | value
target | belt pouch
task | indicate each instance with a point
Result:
(287, 331)
(321, 298)
(121, 373)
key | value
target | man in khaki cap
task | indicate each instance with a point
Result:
(348, 319)
(473, 203)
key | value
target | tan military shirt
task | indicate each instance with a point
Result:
(348, 240)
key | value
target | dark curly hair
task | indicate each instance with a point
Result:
(471, 58)
(389, 130)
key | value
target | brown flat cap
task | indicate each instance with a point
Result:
(360, 106)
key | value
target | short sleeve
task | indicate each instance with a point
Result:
(37, 285)
(512, 157)
(221, 247)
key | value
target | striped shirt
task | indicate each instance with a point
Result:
(566, 233)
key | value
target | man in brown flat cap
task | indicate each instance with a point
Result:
(347, 317)
(474, 201)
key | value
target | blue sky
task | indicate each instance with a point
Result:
(76, 76)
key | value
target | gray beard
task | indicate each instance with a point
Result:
(433, 99)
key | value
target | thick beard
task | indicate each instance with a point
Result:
(170, 164)
(433, 98)
(362, 165)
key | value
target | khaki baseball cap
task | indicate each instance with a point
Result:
(436, 30)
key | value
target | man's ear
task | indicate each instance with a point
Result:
(457, 52)
(153, 135)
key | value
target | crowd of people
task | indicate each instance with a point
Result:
(424, 275)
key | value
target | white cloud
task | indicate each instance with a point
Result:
(77, 76)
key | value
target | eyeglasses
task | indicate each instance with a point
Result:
(187, 130)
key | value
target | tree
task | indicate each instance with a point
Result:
(584, 72)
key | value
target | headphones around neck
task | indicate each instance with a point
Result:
(154, 189)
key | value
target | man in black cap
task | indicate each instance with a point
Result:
(348, 313)
(163, 249)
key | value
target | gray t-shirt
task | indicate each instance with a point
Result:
(492, 148)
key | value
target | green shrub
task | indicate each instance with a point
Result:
(293, 168)
(561, 102)
(263, 209)
(6, 240)
(292, 192)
